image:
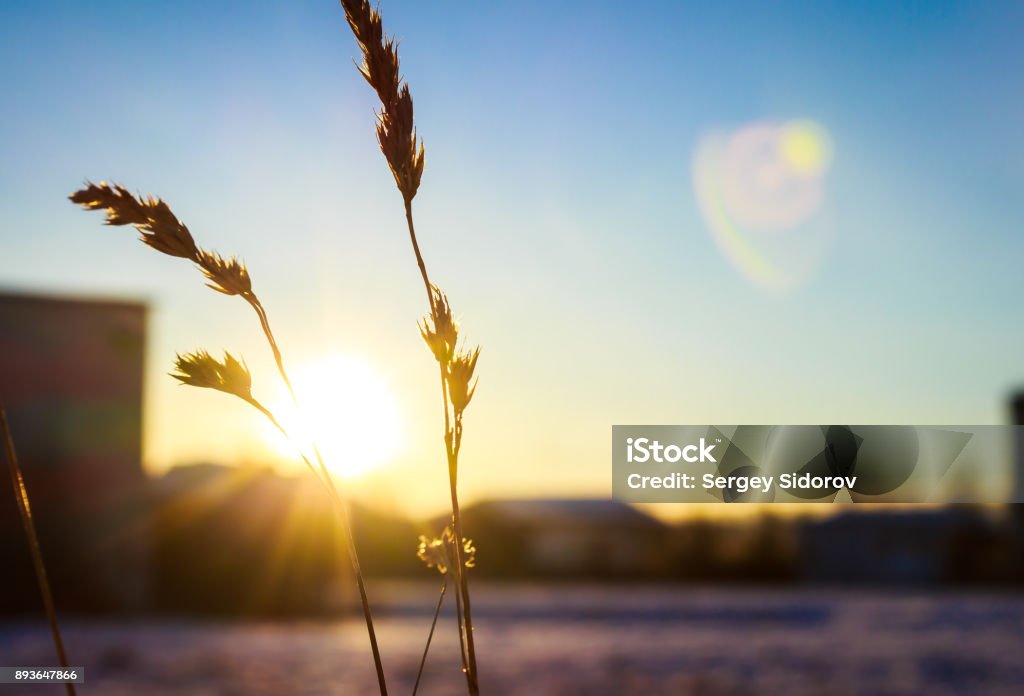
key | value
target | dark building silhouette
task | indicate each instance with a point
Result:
(247, 541)
(920, 547)
(236, 541)
(591, 538)
(1017, 508)
(71, 375)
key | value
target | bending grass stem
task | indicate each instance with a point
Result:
(25, 510)
(265, 324)
(328, 482)
(419, 257)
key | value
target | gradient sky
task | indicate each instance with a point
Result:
(557, 210)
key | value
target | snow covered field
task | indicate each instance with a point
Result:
(570, 639)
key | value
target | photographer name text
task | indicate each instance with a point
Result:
(643, 450)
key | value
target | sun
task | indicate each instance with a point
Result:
(347, 409)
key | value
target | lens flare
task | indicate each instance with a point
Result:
(806, 148)
(760, 189)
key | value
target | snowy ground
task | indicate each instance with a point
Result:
(571, 640)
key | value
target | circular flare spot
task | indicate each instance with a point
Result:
(759, 188)
(806, 147)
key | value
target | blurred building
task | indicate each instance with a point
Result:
(244, 541)
(907, 547)
(594, 538)
(71, 376)
(1017, 418)
(1017, 508)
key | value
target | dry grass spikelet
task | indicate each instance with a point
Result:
(461, 384)
(200, 369)
(380, 57)
(397, 137)
(162, 230)
(152, 217)
(439, 328)
(396, 131)
(440, 553)
(227, 275)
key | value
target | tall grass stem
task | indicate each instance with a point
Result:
(430, 636)
(344, 514)
(25, 510)
(453, 441)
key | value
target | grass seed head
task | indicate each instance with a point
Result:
(200, 369)
(461, 383)
(396, 130)
(227, 275)
(380, 56)
(439, 552)
(439, 328)
(152, 217)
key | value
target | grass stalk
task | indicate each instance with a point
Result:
(460, 572)
(404, 152)
(25, 510)
(343, 508)
(453, 442)
(163, 231)
(462, 632)
(430, 636)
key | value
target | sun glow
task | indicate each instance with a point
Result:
(347, 409)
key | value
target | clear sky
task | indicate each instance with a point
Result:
(559, 209)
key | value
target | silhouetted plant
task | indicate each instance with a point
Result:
(28, 523)
(162, 230)
(439, 553)
(404, 152)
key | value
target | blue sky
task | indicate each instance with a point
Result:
(557, 210)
